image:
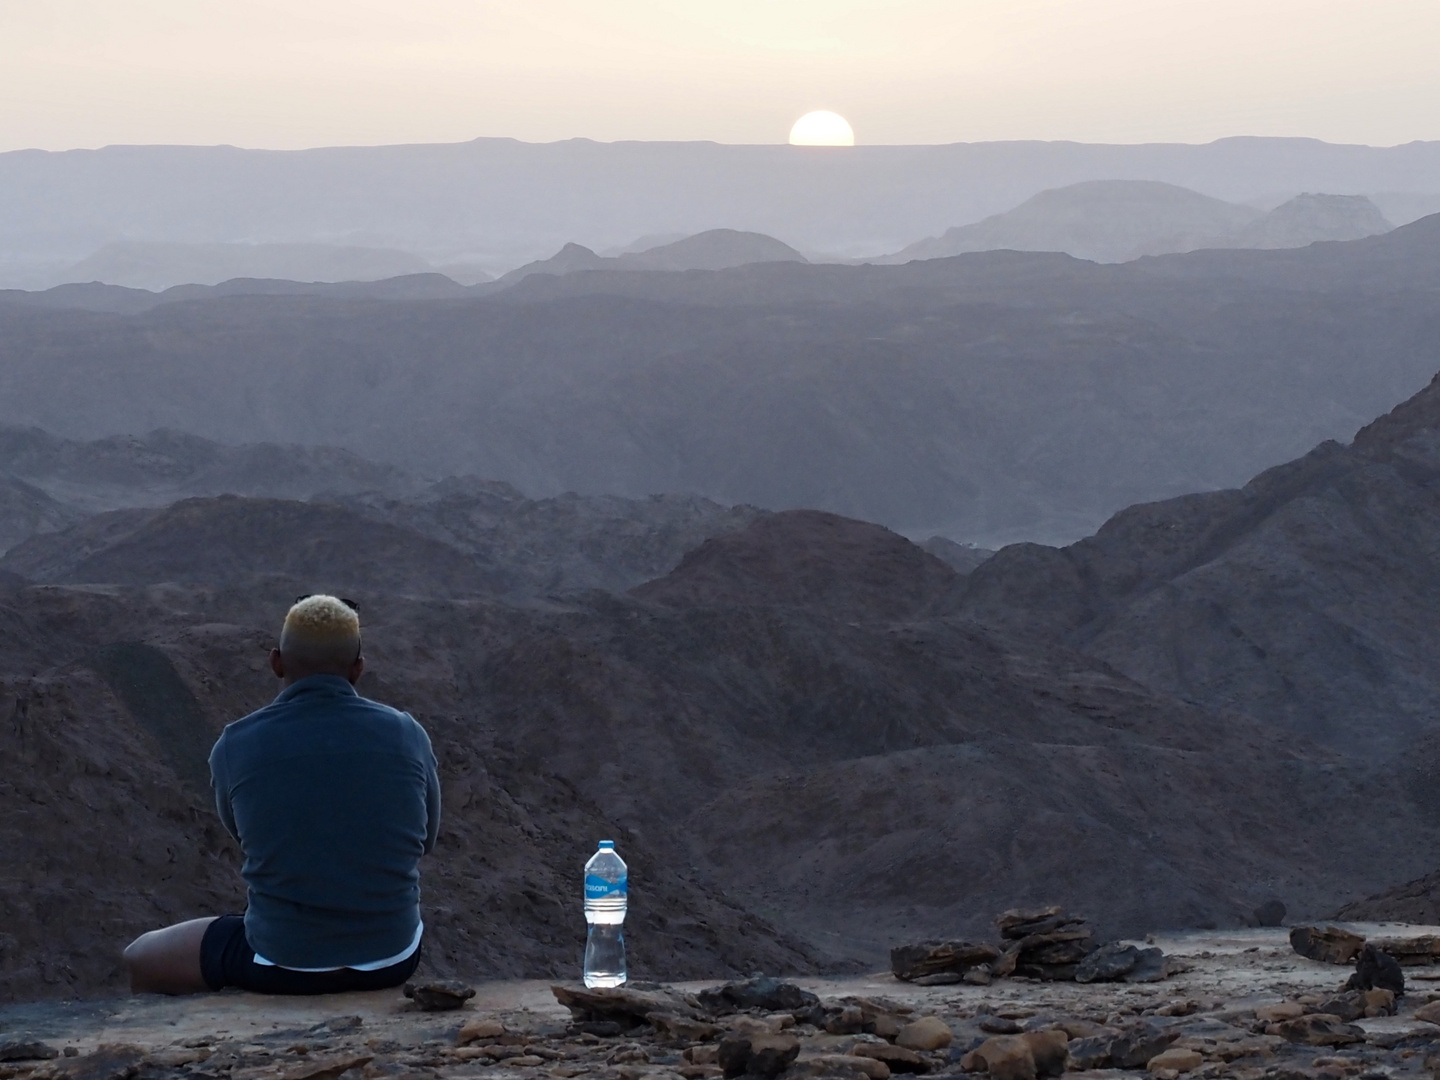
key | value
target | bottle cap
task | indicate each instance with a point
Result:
(607, 843)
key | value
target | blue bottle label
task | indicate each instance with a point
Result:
(597, 888)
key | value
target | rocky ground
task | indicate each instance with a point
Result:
(1245, 1005)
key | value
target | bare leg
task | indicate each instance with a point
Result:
(167, 961)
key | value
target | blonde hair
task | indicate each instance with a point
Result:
(321, 632)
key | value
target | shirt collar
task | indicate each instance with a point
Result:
(317, 684)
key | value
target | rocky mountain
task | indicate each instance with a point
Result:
(1304, 599)
(987, 398)
(1100, 220)
(153, 265)
(1120, 220)
(1307, 219)
(715, 249)
(498, 203)
(804, 757)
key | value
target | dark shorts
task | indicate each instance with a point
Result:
(226, 959)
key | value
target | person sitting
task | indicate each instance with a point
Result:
(333, 799)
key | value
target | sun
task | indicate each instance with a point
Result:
(822, 129)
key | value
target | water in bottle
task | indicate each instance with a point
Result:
(606, 887)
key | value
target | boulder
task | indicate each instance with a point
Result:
(1007, 1057)
(839, 1064)
(441, 995)
(1270, 913)
(479, 1028)
(1108, 963)
(1089, 1052)
(1151, 965)
(26, 1050)
(622, 1005)
(1330, 944)
(759, 1055)
(1285, 1010)
(926, 1033)
(1411, 952)
(931, 958)
(1430, 1013)
(1024, 922)
(897, 1058)
(1176, 1059)
(1134, 1046)
(1375, 967)
(769, 994)
(1318, 1029)
(1050, 1049)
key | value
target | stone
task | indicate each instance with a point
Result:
(1423, 949)
(1347, 1007)
(830, 1064)
(108, 1061)
(929, 958)
(1151, 966)
(479, 1028)
(1376, 968)
(1008, 1057)
(999, 1025)
(1049, 1048)
(526, 1061)
(1270, 913)
(972, 1062)
(623, 1005)
(439, 996)
(1024, 922)
(1285, 1010)
(770, 1055)
(1330, 945)
(1378, 1002)
(702, 1055)
(1089, 1052)
(689, 1072)
(1136, 1045)
(1318, 1029)
(764, 992)
(1005, 966)
(848, 1021)
(684, 1028)
(926, 1033)
(1430, 1013)
(1082, 1029)
(1176, 1059)
(896, 1058)
(1108, 963)
(22, 1050)
(758, 1055)
(887, 1027)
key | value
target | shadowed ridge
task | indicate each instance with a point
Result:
(234, 540)
(807, 558)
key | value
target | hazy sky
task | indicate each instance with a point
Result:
(292, 73)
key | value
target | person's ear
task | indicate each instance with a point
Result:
(356, 670)
(277, 663)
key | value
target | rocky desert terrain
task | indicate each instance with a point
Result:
(812, 738)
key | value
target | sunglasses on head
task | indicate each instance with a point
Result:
(348, 603)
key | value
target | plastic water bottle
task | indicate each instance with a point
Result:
(606, 892)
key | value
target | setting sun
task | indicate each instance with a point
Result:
(822, 129)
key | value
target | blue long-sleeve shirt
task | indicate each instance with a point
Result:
(333, 799)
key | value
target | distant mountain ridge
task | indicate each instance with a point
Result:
(1113, 221)
(499, 203)
(715, 249)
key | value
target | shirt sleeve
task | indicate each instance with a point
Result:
(220, 783)
(432, 790)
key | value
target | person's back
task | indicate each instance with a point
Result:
(333, 799)
(329, 796)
